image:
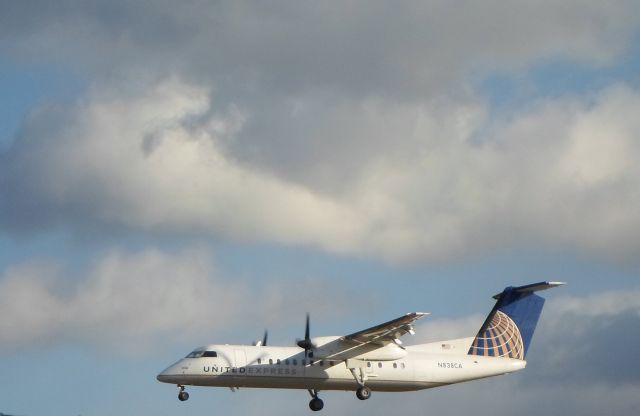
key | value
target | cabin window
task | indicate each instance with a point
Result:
(369, 364)
(395, 365)
(210, 354)
(379, 365)
(321, 363)
(330, 363)
(310, 362)
(278, 361)
(310, 354)
(270, 361)
(295, 362)
(304, 362)
(259, 360)
(286, 362)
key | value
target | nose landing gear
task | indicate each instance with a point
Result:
(182, 395)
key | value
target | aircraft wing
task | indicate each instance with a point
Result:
(387, 332)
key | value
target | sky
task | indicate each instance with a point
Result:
(179, 175)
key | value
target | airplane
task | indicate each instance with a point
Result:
(373, 359)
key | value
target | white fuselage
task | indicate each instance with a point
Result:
(421, 366)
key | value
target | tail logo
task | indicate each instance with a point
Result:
(501, 338)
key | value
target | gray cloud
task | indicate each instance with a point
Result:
(352, 128)
(158, 161)
(590, 340)
(362, 48)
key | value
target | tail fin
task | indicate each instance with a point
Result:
(508, 329)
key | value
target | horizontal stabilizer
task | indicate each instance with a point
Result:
(534, 287)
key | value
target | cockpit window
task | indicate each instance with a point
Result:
(210, 354)
(196, 354)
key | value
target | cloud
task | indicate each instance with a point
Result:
(299, 125)
(589, 340)
(561, 174)
(283, 48)
(125, 301)
(136, 162)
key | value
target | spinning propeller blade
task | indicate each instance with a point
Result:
(306, 342)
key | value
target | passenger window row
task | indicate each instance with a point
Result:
(321, 363)
(395, 365)
(294, 361)
(287, 361)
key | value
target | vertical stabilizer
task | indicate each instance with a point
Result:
(508, 330)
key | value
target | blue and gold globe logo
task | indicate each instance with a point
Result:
(501, 338)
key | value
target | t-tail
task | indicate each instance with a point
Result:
(508, 330)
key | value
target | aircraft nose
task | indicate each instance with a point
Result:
(168, 374)
(163, 376)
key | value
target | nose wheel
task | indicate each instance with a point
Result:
(183, 395)
(316, 402)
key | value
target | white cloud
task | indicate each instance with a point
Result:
(560, 174)
(124, 302)
(136, 161)
(600, 304)
(298, 125)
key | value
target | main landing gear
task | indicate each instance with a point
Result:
(182, 395)
(363, 393)
(316, 402)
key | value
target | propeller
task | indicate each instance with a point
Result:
(264, 340)
(306, 342)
